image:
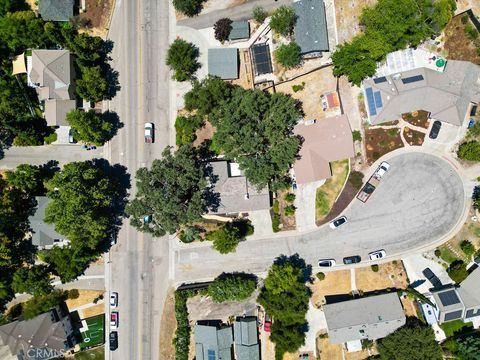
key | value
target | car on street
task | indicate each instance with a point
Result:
(114, 320)
(382, 169)
(113, 300)
(435, 129)
(148, 132)
(338, 222)
(434, 280)
(327, 262)
(267, 323)
(376, 255)
(113, 340)
(352, 260)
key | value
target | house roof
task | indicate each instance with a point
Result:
(246, 338)
(43, 234)
(370, 317)
(233, 187)
(213, 343)
(446, 95)
(223, 63)
(44, 331)
(56, 111)
(311, 26)
(325, 141)
(469, 289)
(240, 30)
(56, 10)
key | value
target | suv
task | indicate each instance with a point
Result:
(113, 340)
(432, 277)
(352, 260)
(435, 129)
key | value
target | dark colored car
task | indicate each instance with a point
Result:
(113, 340)
(352, 260)
(432, 277)
(435, 129)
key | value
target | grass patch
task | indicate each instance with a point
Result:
(95, 335)
(94, 354)
(456, 327)
(447, 255)
(328, 192)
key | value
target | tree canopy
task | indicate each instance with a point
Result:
(188, 7)
(92, 86)
(222, 29)
(225, 239)
(288, 55)
(468, 348)
(207, 94)
(173, 191)
(469, 151)
(283, 20)
(34, 280)
(90, 126)
(232, 287)
(182, 59)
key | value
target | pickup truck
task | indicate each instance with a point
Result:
(373, 182)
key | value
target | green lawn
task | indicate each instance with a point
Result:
(447, 255)
(95, 335)
(94, 354)
(328, 192)
(455, 326)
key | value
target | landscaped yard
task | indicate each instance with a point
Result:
(417, 118)
(283, 212)
(328, 192)
(455, 327)
(458, 43)
(379, 142)
(94, 354)
(413, 137)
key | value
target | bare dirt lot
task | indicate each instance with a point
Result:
(389, 275)
(97, 14)
(315, 84)
(93, 310)
(457, 42)
(379, 142)
(335, 283)
(86, 297)
(348, 13)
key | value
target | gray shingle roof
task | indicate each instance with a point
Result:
(223, 63)
(246, 338)
(447, 96)
(214, 341)
(43, 234)
(371, 317)
(56, 10)
(240, 30)
(311, 27)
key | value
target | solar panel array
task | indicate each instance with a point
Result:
(449, 298)
(211, 354)
(374, 101)
(453, 315)
(412, 79)
(261, 59)
(380, 80)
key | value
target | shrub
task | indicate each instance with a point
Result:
(259, 14)
(392, 132)
(222, 29)
(299, 87)
(458, 271)
(185, 128)
(232, 287)
(276, 207)
(188, 7)
(289, 210)
(374, 268)
(464, 19)
(356, 179)
(469, 151)
(437, 252)
(357, 135)
(276, 222)
(283, 20)
(288, 55)
(320, 276)
(471, 32)
(182, 59)
(189, 234)
(73, 294)
(467, 247)
(290, 198)
(50, 138)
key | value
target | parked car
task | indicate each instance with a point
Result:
(338, 222)
(113, 340)
(352, 260)
(382, 169)
(435, 129)
(71, 138)
(435, 281)
(379, 254)
(267, 323)
(310, 122)
(327, 263)
(113, 300)
(114, 320)
(148, 133)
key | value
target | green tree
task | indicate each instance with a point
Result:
(443, 11)
(288, 55)
(40, 304)
(185, 128)
(25, 177)
(468, 348)
(182, 59)
(469, 151)
(414, 341)
(467, 247)
(283, 20)
(90, 126)
(222, 29)
(10, 6)
(458, 271)
(68, 262)
(232, 287)
(207, 94)
(34, 280)
(188, 7)
(173, 192)
(255, 129)
(92, 86)
(259, 14)
(225, 239)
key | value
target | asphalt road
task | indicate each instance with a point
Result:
(419, 200)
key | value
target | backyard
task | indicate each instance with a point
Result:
(461, 43)
(379, 141)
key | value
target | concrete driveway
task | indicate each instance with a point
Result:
(418, 202)
(305, 203)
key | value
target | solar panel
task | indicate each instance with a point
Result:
(371, 102)
(449, 298)
(380, 80)
(211, 354)
(453, 315)
(412, 79)
(261, 59)
(378, 99)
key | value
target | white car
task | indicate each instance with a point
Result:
(327, 262)
(376, 255)
(338, 222)
(114, 320)
(383, 168)
(113, 300)
(148, 133)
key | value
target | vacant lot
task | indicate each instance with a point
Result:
(348, 17)
(379, 142)
(458, 44)
(389, 275)
(335, 283)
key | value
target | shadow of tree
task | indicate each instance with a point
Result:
(113, 119)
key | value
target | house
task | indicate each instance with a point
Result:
(372, 318)
(324, 141)
(240, 30)
(461, 302)
(44, 235)
(213, 341)
(223, 63)
(46, 336)
(50, 73)
(236, 193)
(311, 27)
(56, 10)
(262, 60)
(246, 338)
(446, 93)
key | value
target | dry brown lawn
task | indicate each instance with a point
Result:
(99, 13)
(296, 356)
(169, 325)
(389, 275)
(328, 351)
(93, 310)
(335, 283)
(359, 355)
(86, 297)
(348, 16)
(408, 307)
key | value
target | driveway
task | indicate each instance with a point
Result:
(417, 203)
(305, 203)
(415, 264)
